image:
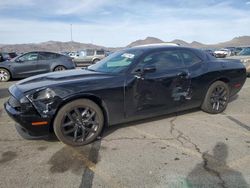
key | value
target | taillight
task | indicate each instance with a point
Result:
(237, 85)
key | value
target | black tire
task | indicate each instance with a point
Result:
(59, 68)
(217, 98)
(4, 75)
(95, 61)
(76, 117)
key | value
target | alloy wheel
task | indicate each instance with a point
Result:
(60, 68)
(219, 98)
(4, 75)
(80, 124)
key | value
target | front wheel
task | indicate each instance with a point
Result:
(79, 122)
(217, 98)
(4, 75)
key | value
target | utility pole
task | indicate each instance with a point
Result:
(71, 35)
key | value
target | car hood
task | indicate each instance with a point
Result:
(6, 62)
(60, 78)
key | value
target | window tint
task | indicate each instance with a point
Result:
(29, 57)
(90, 52)
(99, 52)
(47, 56)
(190, 58)
(164, 60)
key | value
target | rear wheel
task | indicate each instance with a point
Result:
(78, 122)
(4, 75)
(59, 68)
(217, 98)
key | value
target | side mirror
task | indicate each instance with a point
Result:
(149, 69)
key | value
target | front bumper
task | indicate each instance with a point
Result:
(220, 55)
(25, 121)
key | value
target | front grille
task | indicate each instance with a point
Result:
(14, 102)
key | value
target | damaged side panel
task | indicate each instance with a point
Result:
(157, 92)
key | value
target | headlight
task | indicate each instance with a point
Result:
(45, 94)
(24, 100)
(43, 100)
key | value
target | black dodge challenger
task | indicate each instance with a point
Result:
(131, 84)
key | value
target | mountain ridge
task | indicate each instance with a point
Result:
(57, 46)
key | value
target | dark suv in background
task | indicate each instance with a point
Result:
(7, 56)
(33, 63)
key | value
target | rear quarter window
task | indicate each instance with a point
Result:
(190, 58)
(48, 56)
(100, 52)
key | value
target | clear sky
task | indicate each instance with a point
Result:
(119, 22)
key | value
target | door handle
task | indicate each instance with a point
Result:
(183, 74)
(139, 77)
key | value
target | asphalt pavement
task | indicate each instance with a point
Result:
(186, 149)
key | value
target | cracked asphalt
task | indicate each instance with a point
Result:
(186, 149)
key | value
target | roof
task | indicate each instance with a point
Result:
(160, 46)
(157, 45)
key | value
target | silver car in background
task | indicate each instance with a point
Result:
(244, 57)
(89, 56)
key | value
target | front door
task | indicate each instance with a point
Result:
(26, 65)
(160, 83)
(45, 60)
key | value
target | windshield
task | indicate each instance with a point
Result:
(245, 51)
(117, 62)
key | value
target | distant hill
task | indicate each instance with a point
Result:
(53, 46)
(57, 46)
(148, 40)
(196, 44)
(180, 42)
(238, 41)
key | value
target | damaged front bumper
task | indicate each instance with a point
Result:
(26, 115)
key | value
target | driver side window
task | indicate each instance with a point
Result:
(163, 60)
(29, 57)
